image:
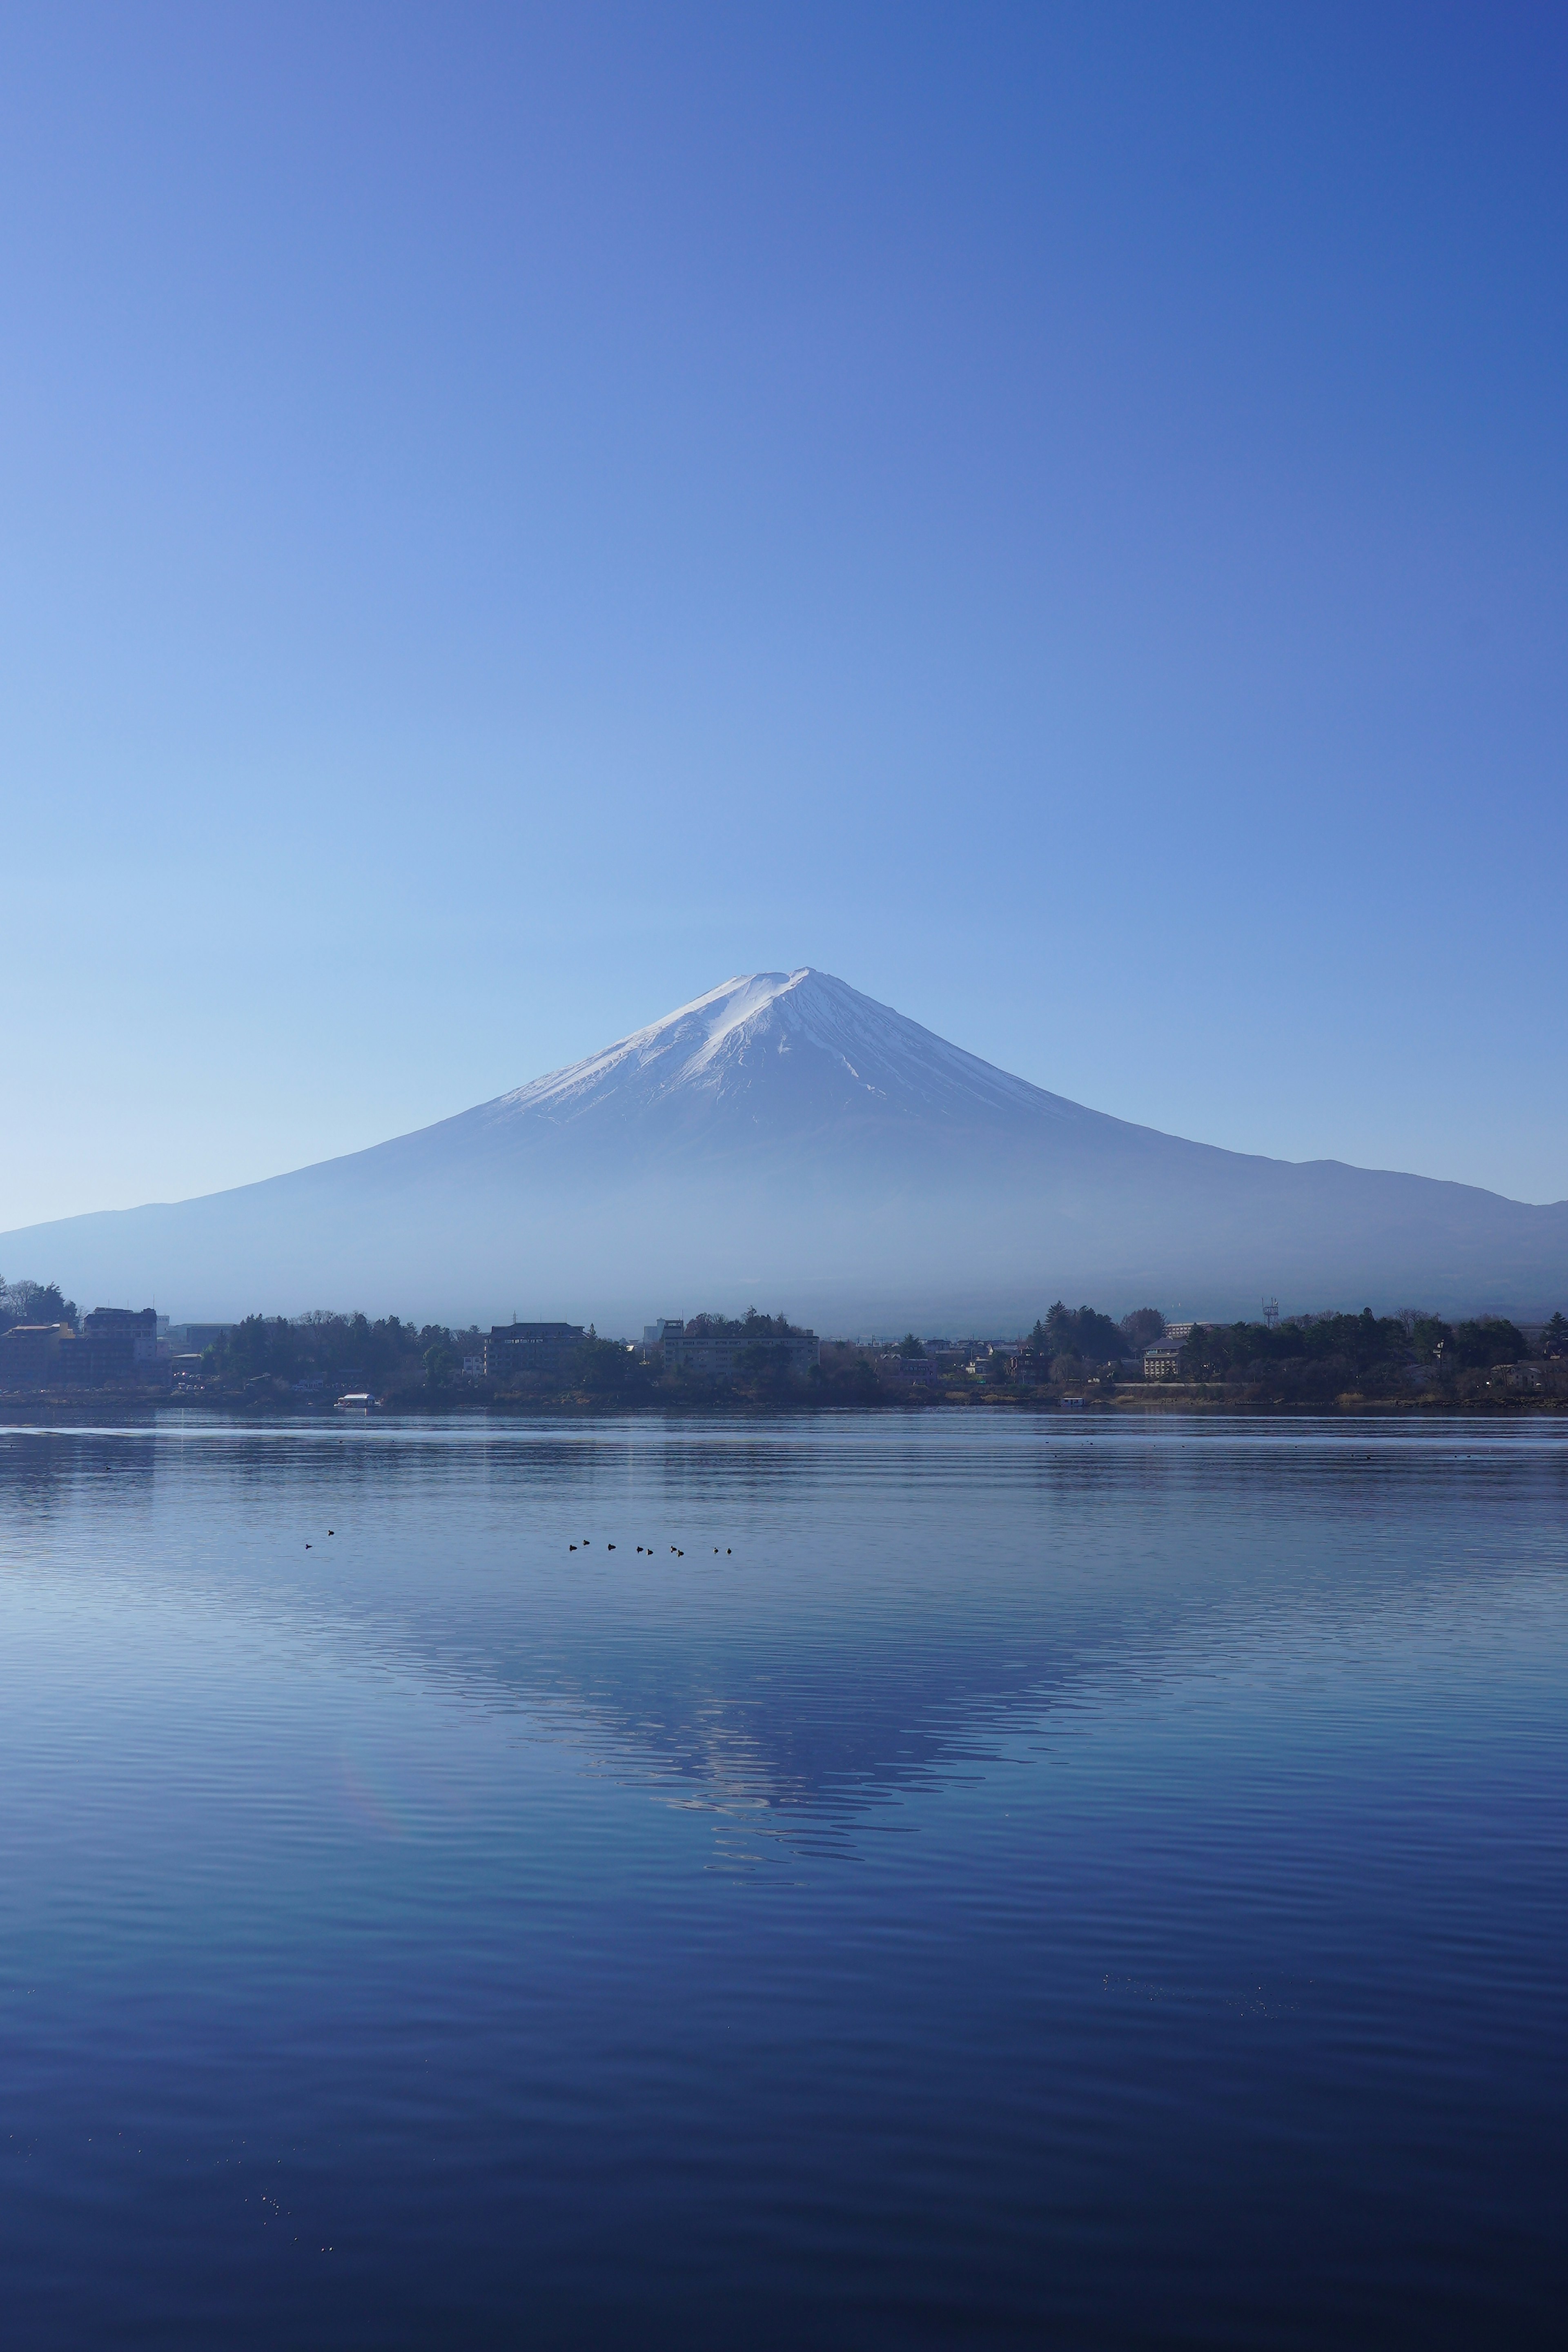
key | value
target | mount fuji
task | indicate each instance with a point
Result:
(785, 1140)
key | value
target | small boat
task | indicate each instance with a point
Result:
(360, 1401)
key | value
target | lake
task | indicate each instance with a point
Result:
(968, 1879)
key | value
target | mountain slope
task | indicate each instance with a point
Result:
(786, 1139)
(788, 1059)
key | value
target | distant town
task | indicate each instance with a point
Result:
(1073, 1358)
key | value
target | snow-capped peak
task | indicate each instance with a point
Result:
(800, 1046)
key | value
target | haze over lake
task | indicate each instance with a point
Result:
(784, 1137)
(993, 1879)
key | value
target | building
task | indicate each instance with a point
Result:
(1162, 1361)
(117, 1344)
(30, 1354)
(522, 1351)
(718, 1349)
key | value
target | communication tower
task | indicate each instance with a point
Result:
(1272, 1313)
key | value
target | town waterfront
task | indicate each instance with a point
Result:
(939, 1878)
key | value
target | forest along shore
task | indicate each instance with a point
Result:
(1074, 1358)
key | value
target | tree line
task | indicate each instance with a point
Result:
(34, 1302)
(1366, 1342)
(342, 1350)
(393, 1357)
(1363, 1343)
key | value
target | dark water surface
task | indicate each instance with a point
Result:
(1032, 1883)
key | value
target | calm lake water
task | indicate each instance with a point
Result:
(999, 1880)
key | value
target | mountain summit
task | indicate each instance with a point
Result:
(792, 1059)
(784, 1140)
(783, 1047)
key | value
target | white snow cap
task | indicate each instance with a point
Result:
(721, 1042)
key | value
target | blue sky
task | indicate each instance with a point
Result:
(511, 517)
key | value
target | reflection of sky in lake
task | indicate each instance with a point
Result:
(1040, 1763)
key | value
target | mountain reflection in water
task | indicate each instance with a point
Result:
(858, 1604)
(1184, 1729)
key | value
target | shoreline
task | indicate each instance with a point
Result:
(26, 1411)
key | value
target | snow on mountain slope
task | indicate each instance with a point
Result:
(781, 1056)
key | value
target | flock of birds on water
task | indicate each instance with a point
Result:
(583, 1543)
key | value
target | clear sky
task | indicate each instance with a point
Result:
(509, 517)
